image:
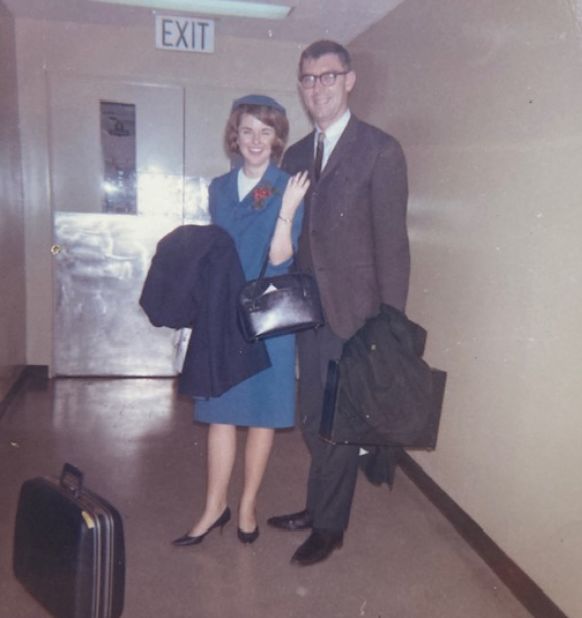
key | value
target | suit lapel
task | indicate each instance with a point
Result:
(342, 148)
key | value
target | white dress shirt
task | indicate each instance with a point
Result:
(332, 135)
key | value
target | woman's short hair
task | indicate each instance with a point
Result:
(267, 115)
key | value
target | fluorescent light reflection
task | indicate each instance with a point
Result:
(196, 201)
(236, 8)
(168, 195)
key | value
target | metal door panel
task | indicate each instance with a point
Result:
(100, 260)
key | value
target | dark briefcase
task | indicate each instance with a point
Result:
(69, 547)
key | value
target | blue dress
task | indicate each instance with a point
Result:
(266, 399)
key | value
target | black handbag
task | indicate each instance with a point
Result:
(280, 305)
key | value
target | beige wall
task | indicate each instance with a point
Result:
(12, 299)
(210, 83)
(486, 98)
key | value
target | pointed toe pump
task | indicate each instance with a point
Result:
(188, 539)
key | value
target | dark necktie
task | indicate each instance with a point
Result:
(318, 156)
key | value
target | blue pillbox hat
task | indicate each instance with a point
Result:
(258, 99)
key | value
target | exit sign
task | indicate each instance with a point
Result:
(184, 34)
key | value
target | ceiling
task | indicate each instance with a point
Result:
(341, 20)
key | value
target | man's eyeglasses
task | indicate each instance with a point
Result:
(307, 80)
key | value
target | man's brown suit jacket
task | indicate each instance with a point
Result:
(354, 236)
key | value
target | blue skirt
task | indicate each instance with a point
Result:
(266, 399)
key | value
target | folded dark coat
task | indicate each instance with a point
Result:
(193, 281)
(381, 392)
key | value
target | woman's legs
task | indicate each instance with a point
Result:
(257, 451)
(221, 454)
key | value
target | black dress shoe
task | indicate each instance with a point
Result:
(248, 537)
(294, 521)
(317, 547)
(187, 539)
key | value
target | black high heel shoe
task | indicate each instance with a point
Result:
(187, 539)
(248, 537)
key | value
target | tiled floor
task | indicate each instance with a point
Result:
(138, 447)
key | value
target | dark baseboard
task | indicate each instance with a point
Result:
(30, 373)
(530, 595)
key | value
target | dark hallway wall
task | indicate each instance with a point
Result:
(12, 277)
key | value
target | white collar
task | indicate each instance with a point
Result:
(332, 135)
(334, 131)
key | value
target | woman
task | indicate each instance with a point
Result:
(261, 208)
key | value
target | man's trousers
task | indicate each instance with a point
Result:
(333, 471)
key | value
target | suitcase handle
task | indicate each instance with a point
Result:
(72, 479)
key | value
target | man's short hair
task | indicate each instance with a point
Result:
(322, 47)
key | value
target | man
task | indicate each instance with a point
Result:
(354, 241)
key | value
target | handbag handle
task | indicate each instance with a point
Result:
(266, 260)
(72, 479)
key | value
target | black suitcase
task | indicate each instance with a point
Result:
(69, 547)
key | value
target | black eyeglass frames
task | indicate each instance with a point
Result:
(308, 80)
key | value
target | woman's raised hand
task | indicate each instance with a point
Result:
(281, 243)
(294, 192)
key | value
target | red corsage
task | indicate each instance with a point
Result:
(260, 195)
